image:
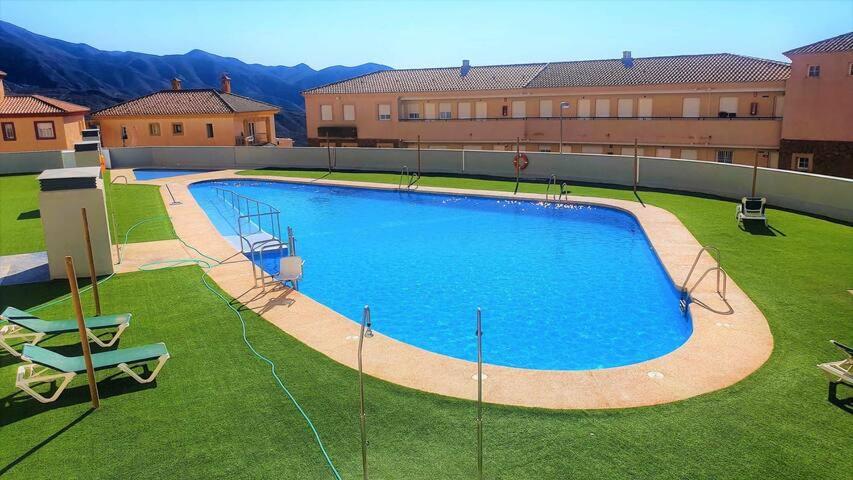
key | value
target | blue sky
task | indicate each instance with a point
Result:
(419, 34)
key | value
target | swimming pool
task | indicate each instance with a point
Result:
(562, 287)
(156, 173)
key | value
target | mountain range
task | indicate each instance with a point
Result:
(96, 78)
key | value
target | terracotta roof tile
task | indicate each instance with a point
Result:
(37, 104)
(835, 44)
(722, 67)
(186, 102)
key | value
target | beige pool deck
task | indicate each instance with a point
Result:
(730, 340)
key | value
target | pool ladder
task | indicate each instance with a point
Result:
(411, 178)
(556, 197)
(721, 276)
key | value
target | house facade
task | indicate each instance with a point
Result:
(817, 132)
(188, 117)
(30, 123)
(719, 107)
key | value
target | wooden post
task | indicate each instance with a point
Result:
(636, 165)
(81, 328)
(754, 172)
(92, 274)
(419, 155)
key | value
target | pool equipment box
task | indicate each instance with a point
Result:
(62, 194)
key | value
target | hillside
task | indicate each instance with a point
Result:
(96, 78)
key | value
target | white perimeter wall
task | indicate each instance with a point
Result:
(817, 194)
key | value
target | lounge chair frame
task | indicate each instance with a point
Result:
(13, 331)
(839, 372)
(742, 213)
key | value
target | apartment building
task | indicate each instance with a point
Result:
(32, 123)
(718, 107)
(191, 117)
(817, 131)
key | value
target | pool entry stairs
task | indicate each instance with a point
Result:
(258, 228)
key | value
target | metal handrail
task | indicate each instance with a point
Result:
(552, 180)
(715, 254)
(174, 202)
(414, 178)
(403, 172)
(119, 176)
(564, 192)
(719, 272)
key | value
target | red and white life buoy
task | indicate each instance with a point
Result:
(520, 161)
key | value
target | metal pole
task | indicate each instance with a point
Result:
(517, 162)
(636, 165)
(561, 128)
(329, 152)
(479, 394)
(92, 273)
(754, 173)
(81, 329)
(419, 155)
(366, 331)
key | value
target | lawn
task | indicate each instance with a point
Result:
(20, 222)
(215, 411)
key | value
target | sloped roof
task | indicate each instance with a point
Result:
(186, 102)
(711, 68)
(436, 80)
(840, 43)
(37, 105)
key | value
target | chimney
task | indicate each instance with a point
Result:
(226, 83)
(466, 66)
(2, 88)
(627, 60)
(176, 83)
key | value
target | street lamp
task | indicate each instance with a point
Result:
(563, 106)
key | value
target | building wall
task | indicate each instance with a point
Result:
(820, 108)
(66, 128)
(226, 128)
(667, 129)
(826, 158)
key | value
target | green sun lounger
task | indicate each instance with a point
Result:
(28, 327)
(42, 362)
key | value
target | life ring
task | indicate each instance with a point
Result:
(520, 161)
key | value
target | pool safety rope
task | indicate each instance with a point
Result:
(207, 264)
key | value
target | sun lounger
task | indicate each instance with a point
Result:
(840, 371)
(751, 208)
(28, 327)
(48, 366)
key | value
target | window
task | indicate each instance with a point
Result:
(326, 112)
(728, 105)
(464, 110)
(429, 111)
(154, 129)
(123, 133)
(349, 113)
(544, 148)
(644, 107)
(9, 131)
(583, 108)
(45, 131)
(209, 130)
(814, 71)
(602, 108)
(850, 69)
(625, 107)
(690, 107)
(724, 156)
(519, 109)
(482, 110)
(803, 161)
(664, 153)
(177, 129)
(504, 110)
(689, 154)
(414, 111)
(444, 111)
(779, 106)
(545, 110)
(385, 112)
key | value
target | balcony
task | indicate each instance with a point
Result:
(736, 131)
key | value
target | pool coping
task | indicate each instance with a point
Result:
(730, 339)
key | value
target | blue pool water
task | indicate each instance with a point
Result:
(563, 287)
(155, 173)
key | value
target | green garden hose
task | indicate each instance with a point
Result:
(207, 264)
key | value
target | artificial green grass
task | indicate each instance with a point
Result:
(20, 221)
(216, 412)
